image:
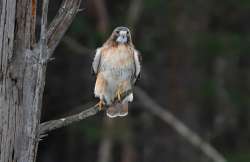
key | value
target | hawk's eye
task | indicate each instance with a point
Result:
(117, 31)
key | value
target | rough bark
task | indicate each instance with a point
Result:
(22, 75)
(21, 84)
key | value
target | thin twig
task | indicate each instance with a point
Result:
(179, 126)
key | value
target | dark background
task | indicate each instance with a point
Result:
(196, 62)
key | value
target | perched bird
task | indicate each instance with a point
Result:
(117, 68)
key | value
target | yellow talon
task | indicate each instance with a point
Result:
(101, 105)
(118, 94)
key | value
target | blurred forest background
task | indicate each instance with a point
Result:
(196, 64)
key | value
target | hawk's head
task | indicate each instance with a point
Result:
(120, 35)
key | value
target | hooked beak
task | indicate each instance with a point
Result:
(122, 38)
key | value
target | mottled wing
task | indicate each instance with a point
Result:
(96, 61)
(137, 61)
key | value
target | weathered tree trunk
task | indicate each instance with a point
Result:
(21, 82)
(22, 72)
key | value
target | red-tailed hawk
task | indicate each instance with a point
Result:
(117, 67)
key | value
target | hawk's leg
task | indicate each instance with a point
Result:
(119, 93)
(121, 89)
(101, 104)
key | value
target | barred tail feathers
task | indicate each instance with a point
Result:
(119, 109)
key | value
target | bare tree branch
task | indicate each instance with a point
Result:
(44, 19)
(180, 127)
(58, 123)
(43, 34)
(61, 22)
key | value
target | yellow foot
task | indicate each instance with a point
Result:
(101, 105)
(118, 94)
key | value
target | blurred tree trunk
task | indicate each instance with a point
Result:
(105, 148)
(21, 81)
